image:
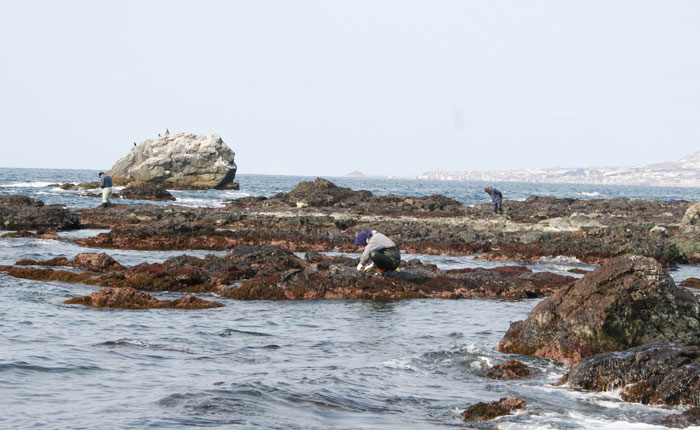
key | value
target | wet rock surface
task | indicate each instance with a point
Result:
(511, 369)
(691, 417)
(19, 212)
(655, 373)
(627, 302)
(487, 411)
(129, 298)
(274, 273)
(163, 235)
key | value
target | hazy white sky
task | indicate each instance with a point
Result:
(326, 87)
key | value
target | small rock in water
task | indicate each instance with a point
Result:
(488, 411)
(511, 369)
(691, 282)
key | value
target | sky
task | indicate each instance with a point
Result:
(385, 87)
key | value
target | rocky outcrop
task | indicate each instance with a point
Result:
(487, 411)
(146, 191)
(656, 373)
(511, 369)
(322, 193)
(180, 161)
(591, 231)
(627, 302)
(19, 212)
(273, 273)
(129, 298)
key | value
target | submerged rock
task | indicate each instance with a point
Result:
(656, 373)
(19, 212)
(487, 411)
(627, 302)
(129, 298)
(180, 160)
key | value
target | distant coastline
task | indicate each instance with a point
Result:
(683, 173)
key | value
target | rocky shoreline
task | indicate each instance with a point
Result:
(629, 308)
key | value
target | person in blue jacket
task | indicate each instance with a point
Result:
(496, 199)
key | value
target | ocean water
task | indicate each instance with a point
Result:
(413, 364)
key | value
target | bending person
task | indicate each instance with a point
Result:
(496, 199)
(380, 251)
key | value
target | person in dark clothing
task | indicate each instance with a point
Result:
(380, 251)
(496, 199)
(106, 185)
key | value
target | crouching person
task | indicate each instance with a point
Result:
(380, 252)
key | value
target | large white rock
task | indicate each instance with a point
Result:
(181, 160)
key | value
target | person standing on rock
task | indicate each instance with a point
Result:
(380, 252)
(496, 199)
(106, 185)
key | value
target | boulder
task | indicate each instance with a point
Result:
(656, 373)
(690, 223)
(487, 411)
(96, 262)
(627, 302)
(180, 160)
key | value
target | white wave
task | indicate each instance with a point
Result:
(589, 194)
(235, 194)
(27, 184)
(198, 203)
(399, 363)
(590, 422)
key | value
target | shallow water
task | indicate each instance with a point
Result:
(413, 364)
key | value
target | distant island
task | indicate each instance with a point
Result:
(356, 174)
(683, 173)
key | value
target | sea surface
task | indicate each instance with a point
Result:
(345, 364)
